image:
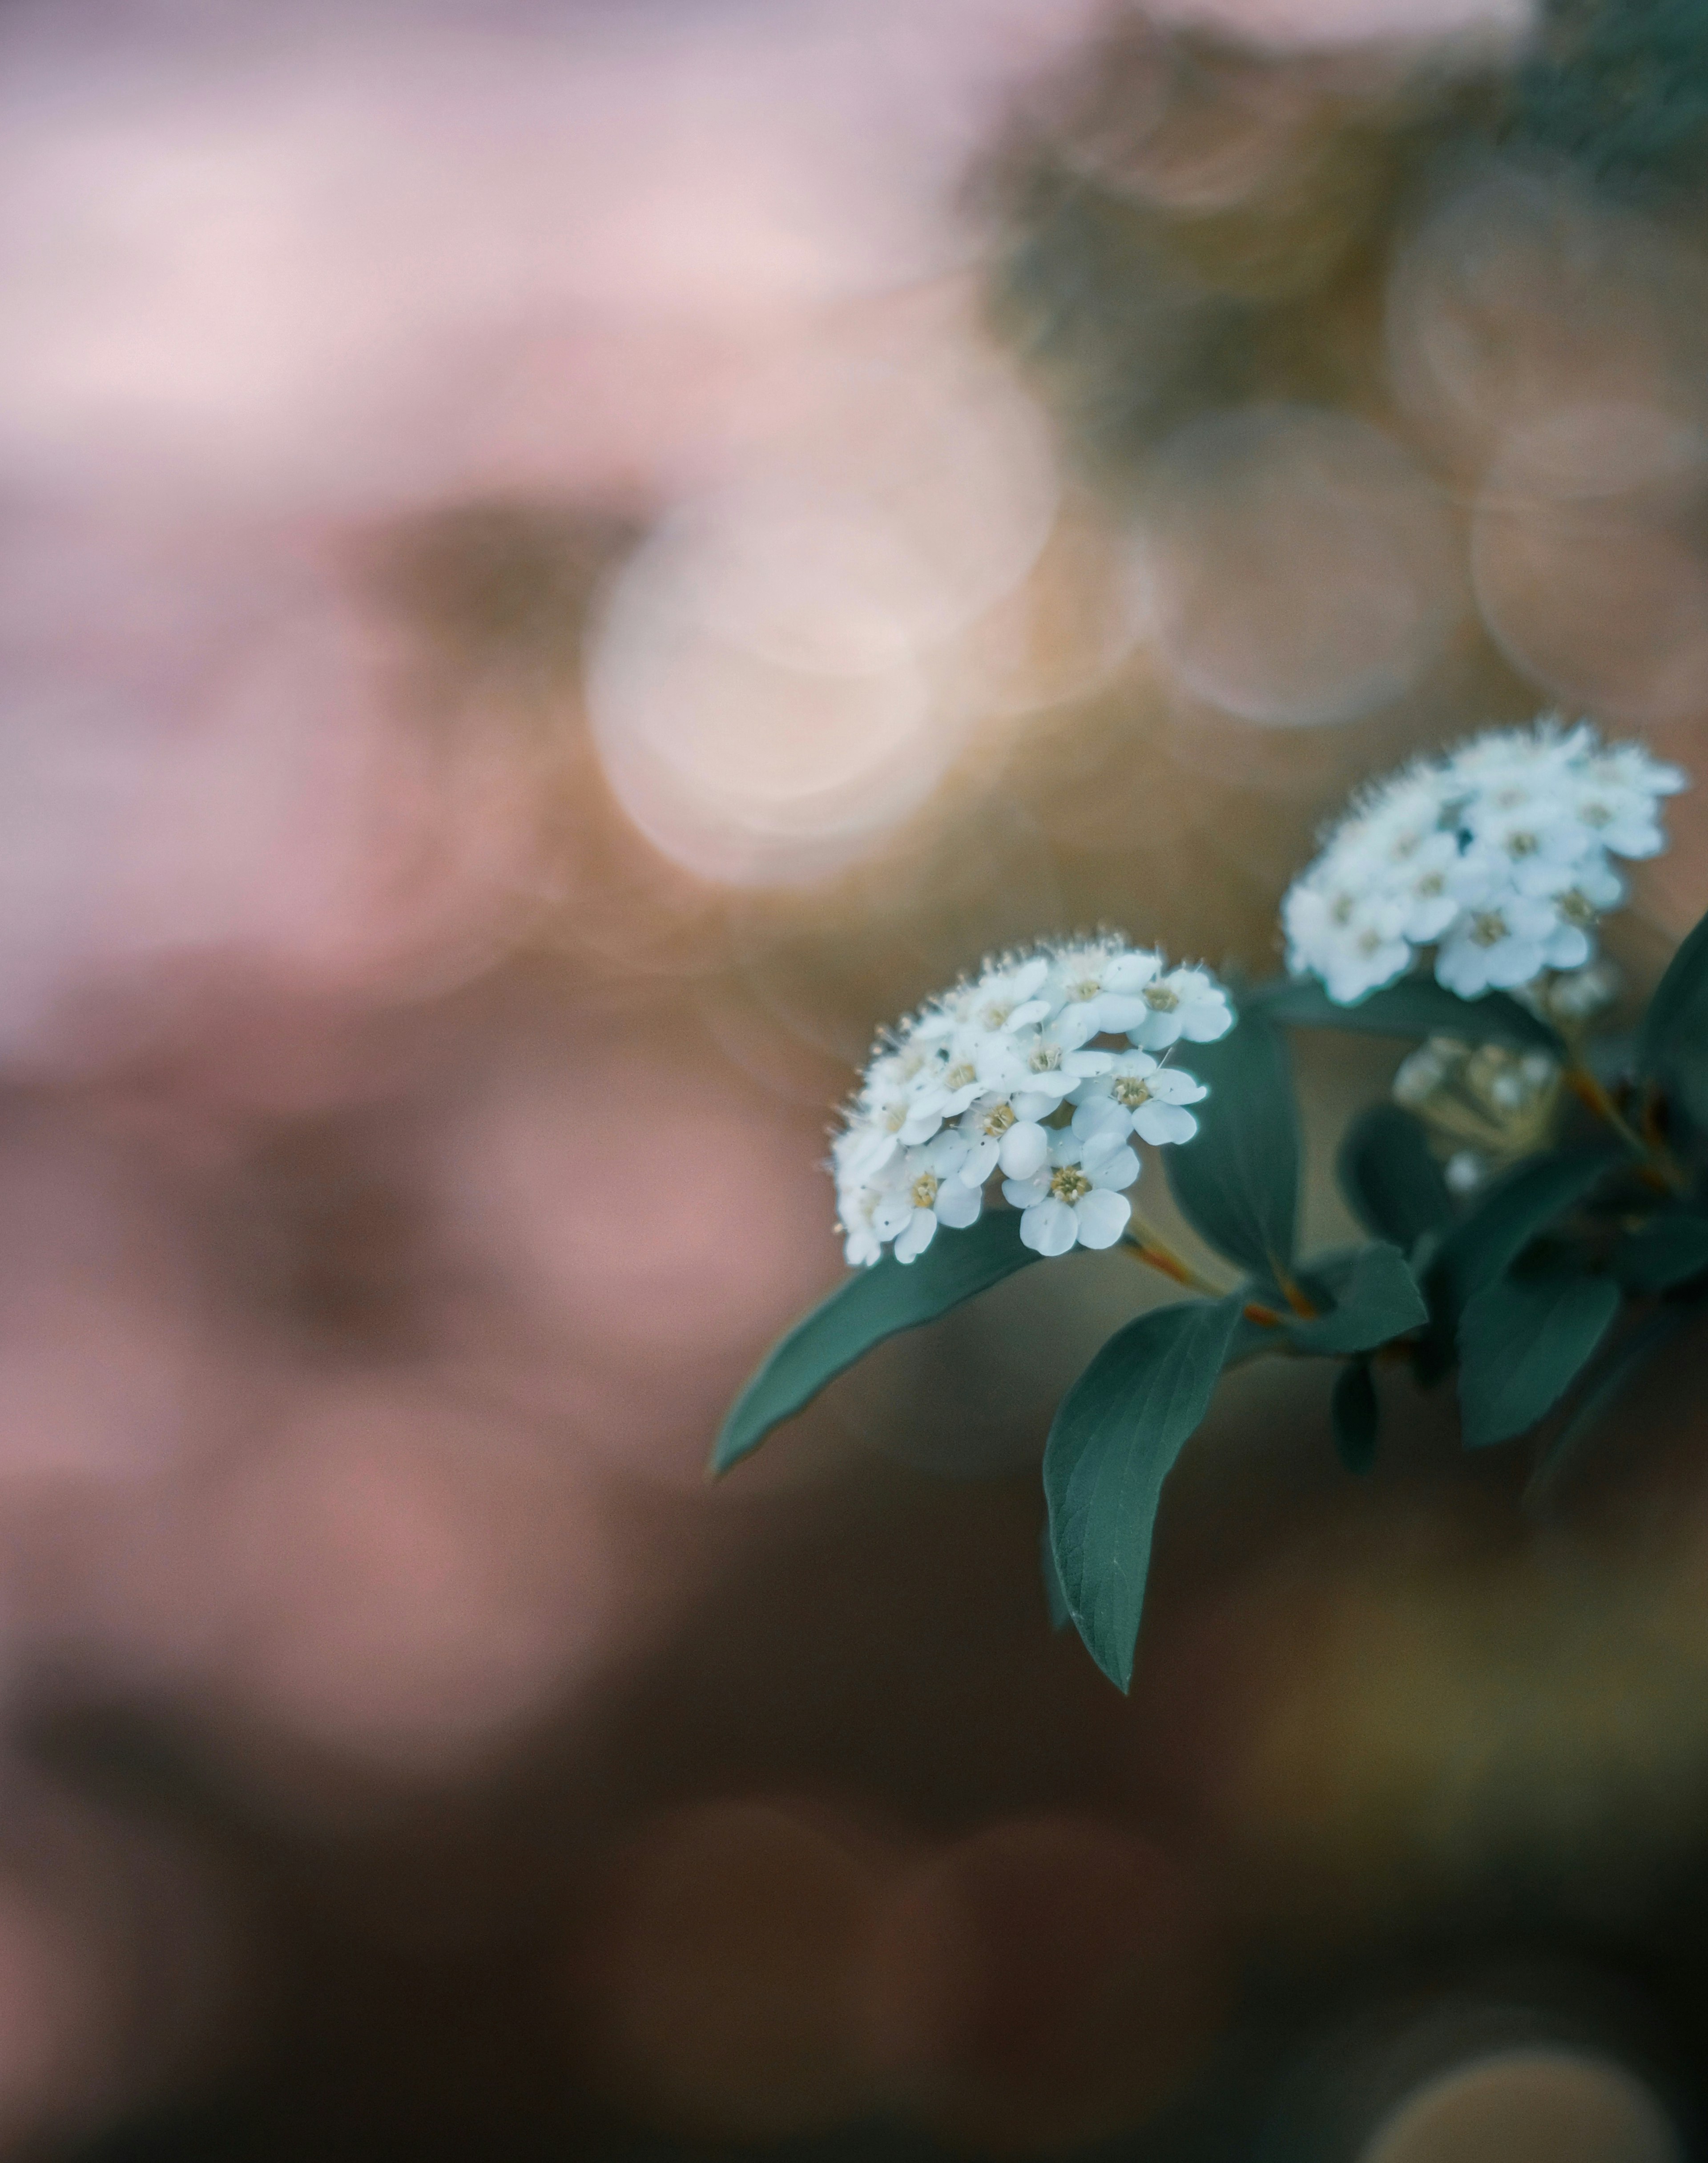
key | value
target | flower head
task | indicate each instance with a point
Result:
(1074, 1198)
(1038, 1071)
(1136, 1096)
(1497, 855)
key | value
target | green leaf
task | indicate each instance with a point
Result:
(879, 1302)
(1392, 1184)
(1417, 1006)
(1618, 1371)
(1672, 1045)
(1115, 1441)
(1379, 1301)
(1060, 1614)
(1522, 1341)
(1237, 1180)
(1669, 1251)
(1355, 1415)
(1480, 1247)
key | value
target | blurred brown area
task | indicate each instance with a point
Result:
(564, 566)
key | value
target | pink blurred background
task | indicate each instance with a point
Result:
(562, 564)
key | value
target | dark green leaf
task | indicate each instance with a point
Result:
(1355, 1415)
(1237, 1180)
(877, 1303)
(1251, 1339)
(1522, 1342)
(1392, 1185)
(1673, 1037)
(1417, 1006)
(1379, 1301)
(1511, 1213)
(1667, 1252)
(1618, 1371)
(1060, 1614)
(1115, 1441)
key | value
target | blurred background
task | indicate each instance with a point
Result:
(564, 562)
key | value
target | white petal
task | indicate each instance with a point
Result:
(1160, 1123)
(1203, 1020)
(958, 1205)
(1101, 1217)
(1025, 1148)
(1035, 1103)
(917, 1237)
(921, 1125)
(1130, 972)
(1173, 1084)
(1034, 1010)
(948, 1152)
(1116, 1011)
(1461, 966)
(1025, 1193)
(1568, 948)
(1100, 1115)
(1110, 1167)
(1051, 1228)
(890, 1214)
(981, 1162)
(1077, 1025)
(1515, 961)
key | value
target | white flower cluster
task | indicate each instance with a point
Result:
(1498, 855)
(1005, 1075)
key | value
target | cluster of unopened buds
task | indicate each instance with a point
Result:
(1498, 855)
(1041, 1070)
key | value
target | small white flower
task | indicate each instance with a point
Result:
(1138, 1097)
(931, 1192)
(1106, 981)
(1043, 1064)
(900, 1105)
(1617, 798)
(1352, 941)
(1503, 943)
(1005, 996)
(1186, 1005)
(1075, 1198)
(999, 1136)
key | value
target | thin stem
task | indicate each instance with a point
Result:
(1592, 1093)
(1142, 1243)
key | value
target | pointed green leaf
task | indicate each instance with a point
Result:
(1237, 1180)
(1672, 1045)
(1669, 1251)
(1113, 1443)
(1417, 1006)
(1623, 1365)
(879, 1302)
(1356, 1416)
(1392, 1184)
(1060, 1614)
(1524, 1203)
(1522, 1341)
(1379, 1301)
